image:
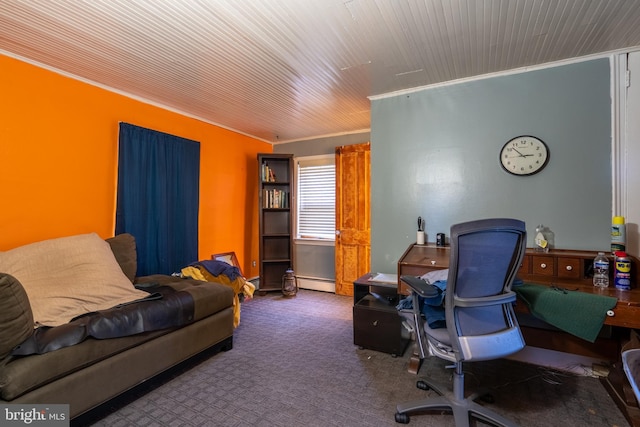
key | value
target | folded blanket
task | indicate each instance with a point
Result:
(579, 313)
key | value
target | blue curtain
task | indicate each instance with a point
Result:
(158, 197)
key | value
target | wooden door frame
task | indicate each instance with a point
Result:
(359, 238)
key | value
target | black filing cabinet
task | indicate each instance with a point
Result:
(376, 322)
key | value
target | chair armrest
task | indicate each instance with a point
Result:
(420, 286)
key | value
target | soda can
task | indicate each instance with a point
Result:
(622, 271)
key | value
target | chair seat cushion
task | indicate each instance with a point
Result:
(439, 334)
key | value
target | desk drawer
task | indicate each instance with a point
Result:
(568, 268)
(378, 326)
(525, 267)
(543, 265)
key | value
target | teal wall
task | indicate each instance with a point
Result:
(434, 153)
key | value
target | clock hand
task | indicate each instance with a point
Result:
(521, 155)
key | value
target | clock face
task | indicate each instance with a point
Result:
(524, 155)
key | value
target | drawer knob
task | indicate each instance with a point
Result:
(543, 265)
(569, 268)
(375, 323)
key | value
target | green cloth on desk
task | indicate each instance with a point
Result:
(579, 313)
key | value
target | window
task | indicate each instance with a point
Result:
(316, 187)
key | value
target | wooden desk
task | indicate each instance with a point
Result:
(568, 268)
(571, 269)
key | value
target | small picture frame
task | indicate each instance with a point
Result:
(228, 257)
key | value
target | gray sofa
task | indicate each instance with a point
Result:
(93, 371)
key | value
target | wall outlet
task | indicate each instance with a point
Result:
(253, 263)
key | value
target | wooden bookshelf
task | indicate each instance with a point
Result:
(275, 183)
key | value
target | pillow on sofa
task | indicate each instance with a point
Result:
(123, 247)
(69, 276)
(16, 318)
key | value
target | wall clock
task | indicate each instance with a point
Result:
(524, 155)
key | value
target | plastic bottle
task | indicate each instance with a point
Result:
(601, 271)
(618, 234)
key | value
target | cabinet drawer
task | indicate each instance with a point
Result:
(525, 267)
(542, 265)
(568, 268)
(378, 326)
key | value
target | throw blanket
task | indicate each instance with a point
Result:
(579, 313)
(164, 308)
(217, 268)
(220, 272)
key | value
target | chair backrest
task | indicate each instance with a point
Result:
(485, 257)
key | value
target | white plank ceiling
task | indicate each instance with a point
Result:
(285, 70)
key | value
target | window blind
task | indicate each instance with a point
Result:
(316, 213)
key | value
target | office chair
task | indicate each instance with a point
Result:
(631, 366)
(480, 322)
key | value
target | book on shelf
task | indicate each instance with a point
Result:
(267, 174)
(275, 199)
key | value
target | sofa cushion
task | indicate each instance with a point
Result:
(208, 297)
(69, 276)
(123, 247)
(16, 317)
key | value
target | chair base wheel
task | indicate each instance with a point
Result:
(422, 385)
(487, 398)
(402, 418)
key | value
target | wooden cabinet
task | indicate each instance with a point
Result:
(275, 182)
(376, 322)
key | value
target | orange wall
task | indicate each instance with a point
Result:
(58, 157)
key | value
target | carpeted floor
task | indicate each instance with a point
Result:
(294, 364)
